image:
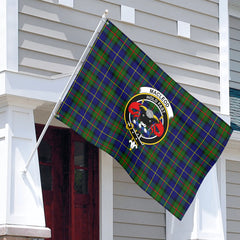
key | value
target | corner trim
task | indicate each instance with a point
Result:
(106, 196)
(224, 56)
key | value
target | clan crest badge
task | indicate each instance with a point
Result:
(147, 117)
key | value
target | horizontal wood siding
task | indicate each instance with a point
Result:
(234, 31)
(136, 214)
(52, 38)
(233, 200)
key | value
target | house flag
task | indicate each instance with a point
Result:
(126, 105)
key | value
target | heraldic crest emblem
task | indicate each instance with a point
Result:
(147, 117)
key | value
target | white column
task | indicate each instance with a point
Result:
(204, 217)
(106, 196)
(203, 220)
(21, 203)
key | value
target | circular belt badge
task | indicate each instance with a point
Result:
(147, 117)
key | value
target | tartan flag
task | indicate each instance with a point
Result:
(123, 103)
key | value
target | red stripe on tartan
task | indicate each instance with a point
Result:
(96, 82)
(151, 67)
(183, 128)
(201, 166)
(107, 121)
(73, 123)
(145, 165)
(133, 51)
(95, 70)
(83, 91)
(145, 151)
(132, 170)
(160, 165)
(116, 127)
(195, 137)
(122, 91)
(189, 162)
(196, 125)
(178, 124)
(179, 153)
(167, 81)
(189, 101)
(104, 119)
(118, 71)
(140, 177)
(119, 155)
(173, 163)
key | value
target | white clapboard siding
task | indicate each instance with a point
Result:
(51, 35)
(136, 214)
(196, 16)
(233, 200)
(234, 24)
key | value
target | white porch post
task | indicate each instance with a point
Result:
(21, 204)
(106, 196)
(203, 221)
(204, 218)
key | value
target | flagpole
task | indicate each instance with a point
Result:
(65, 90)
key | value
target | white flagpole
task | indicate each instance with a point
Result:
(69, 83)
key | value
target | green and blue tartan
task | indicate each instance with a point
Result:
(170, 171)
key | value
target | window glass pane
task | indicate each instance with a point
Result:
(46, 177)
(79, 154)
(81, 181)
(44, 152)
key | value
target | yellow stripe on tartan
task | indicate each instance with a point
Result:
(202, 129)
(156, 174)
(179, 131)
(107, 77)
(137, 156)
(156, 81)
(121, 142)
(130, 65)
(117, 153)
(189, 175)
(96, 91)
(85, 89)
(160, 75)
(92, 98)
(173, 164)
(121, 93)
(135, 71)
(125, 88)
(121, 117)
(194, 153)
(92, 125)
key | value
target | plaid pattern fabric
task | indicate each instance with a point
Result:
(170, 171)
